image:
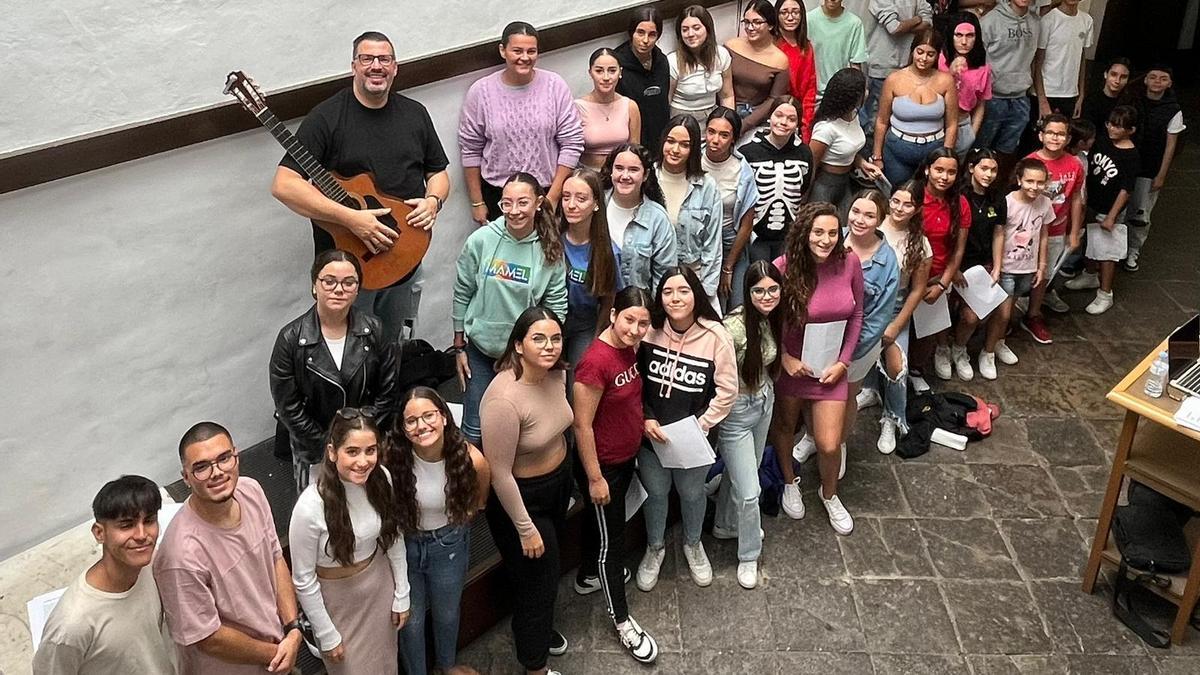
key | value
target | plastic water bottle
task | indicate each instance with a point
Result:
(1157, 382)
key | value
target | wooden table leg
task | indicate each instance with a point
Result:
(1191, 592)
(1109, 505)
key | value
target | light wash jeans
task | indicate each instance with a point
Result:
(742, 437)
(689, 483)
(893, 392)
(437, 570)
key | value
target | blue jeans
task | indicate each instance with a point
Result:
(437, 570)
(901, 158)
(482, 373)
(1003, 122)
(578, 332)
(657, 482)
(894, 392)
(742, 437)
(966, 134)
(739, 280)
(395, 306)
(870, 107)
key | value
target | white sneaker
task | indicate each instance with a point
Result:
(1085, 281)
(867, 398)
(647, 573)
(1131, 261)
(719, 532)
(987, 365)
(1055, 304)
(941, 362)
(1102, 303)
(747, 574)
(805, 447)
(839, 517)
(887, 436)
(962, 363)
(1006, 355)
(637, 642)
(792, 503)
(698, 564)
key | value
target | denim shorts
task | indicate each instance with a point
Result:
(1017, 285)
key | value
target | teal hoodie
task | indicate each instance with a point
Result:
(498, 278)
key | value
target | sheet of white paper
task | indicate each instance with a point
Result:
(687, 447)
(822, 344)
(634, 498)
(456, 411)
(980, 294)
(1056, 265)
(1105, 245)
(39, 610)
(929, 319)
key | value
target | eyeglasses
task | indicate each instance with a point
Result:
(368, 59)
(429, 417)
(224, 461)
(753, 23)
(768, 292)
(541, 341)
(354, 413)
(1057, 134)
(348, 284)
(508, 204)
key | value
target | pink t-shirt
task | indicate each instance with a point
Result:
(1022, 232)
(974, 85)
(210, 576)
(1066, 178)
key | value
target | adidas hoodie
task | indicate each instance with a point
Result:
(498, 278)
(689, 373)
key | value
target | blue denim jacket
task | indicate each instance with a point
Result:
(881, 283)
(648, 248)
(698, 232)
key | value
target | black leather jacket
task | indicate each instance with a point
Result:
(308, 388)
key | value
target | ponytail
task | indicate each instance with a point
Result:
(543, 221)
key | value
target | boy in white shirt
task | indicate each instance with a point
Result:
(1058, 79)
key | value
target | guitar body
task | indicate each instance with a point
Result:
(380, 270)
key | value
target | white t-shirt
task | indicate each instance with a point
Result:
(697, 90)
(726, 175)
(1064, 38)
(618, 220)
(336, 349)
(843, 139)
(91, 632)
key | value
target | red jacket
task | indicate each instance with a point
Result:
(804, 83)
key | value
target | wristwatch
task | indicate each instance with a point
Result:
(439, 200)
(290, 626)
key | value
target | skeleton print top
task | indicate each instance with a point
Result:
(781, 176)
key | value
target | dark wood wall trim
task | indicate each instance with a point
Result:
(96, 151)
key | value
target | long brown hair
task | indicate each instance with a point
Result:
(801, 32)
(461, 482)
(543, 220)
(752, 364)
(800, 279)
(333, 494)
(602, 264)
(914, 246)
(706, 56)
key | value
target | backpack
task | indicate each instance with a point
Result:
(1149, 532)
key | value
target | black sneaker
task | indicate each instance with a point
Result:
(637, 642)
(590, 584)
(558, 643)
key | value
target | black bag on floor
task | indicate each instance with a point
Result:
(422, 365)
(1149, 532)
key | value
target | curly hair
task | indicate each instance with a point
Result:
(333, 494)
(461, 481)
(914, 247)
(800, 277)
(843, 94)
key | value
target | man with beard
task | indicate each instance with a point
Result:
(225, 585)
(369, 127)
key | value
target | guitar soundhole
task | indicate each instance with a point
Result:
(373, 203)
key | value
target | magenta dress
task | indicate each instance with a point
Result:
(838, 297)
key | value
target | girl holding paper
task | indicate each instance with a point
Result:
(822, 285)
(755, 327)
(690, 371)
(945, 214)
(608, 433)
(989, 210)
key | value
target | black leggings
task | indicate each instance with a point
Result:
(603, 545)
(534, 580)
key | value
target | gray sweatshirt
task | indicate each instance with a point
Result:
(1010, 41)
(887, 49)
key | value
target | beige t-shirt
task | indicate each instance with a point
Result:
(675, 188)
(94, 632)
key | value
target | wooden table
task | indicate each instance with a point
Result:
(1163, 456)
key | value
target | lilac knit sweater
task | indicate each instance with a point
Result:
(534, 128)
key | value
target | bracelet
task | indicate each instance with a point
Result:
(726, 270)
(290, 626)
(476, 205)
(939, 283)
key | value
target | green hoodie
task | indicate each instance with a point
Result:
(498, 278)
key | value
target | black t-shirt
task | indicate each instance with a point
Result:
(397, 143)
(1110, 170)
(986, 213)
(782, 176)
(650, 89)
(1097, 108)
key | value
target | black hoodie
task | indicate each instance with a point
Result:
(1151, 136)
(650, 89)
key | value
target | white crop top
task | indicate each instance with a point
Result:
(698, 89)
(308, 537)
(843, 138)
(431, 493)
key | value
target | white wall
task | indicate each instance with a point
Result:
(77, 67)
(144, 297)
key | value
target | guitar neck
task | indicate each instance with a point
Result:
(324, 181)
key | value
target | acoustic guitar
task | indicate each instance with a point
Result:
(380, 270)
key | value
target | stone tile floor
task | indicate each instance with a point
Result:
(960, 561)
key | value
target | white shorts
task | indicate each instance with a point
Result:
(860, 367)
(1105, 245)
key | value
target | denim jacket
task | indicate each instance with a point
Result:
(648, 248)
(698, 232)
(881, 283)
